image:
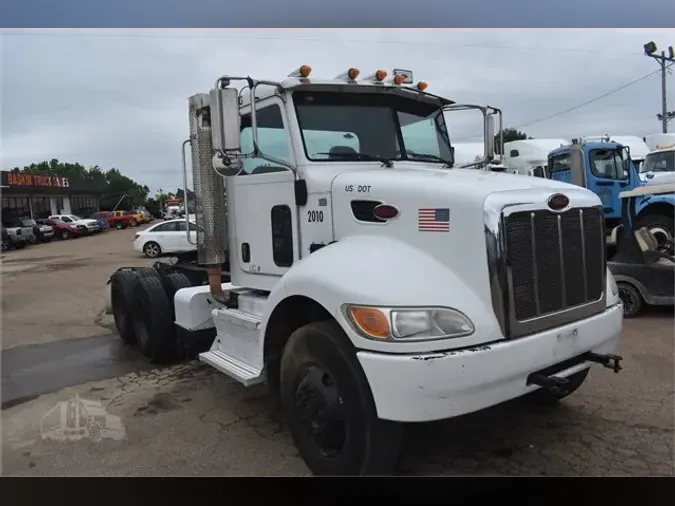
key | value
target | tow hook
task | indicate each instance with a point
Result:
(608, 361)
(553, 384)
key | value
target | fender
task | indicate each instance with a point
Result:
(651, 200)
(383, 271)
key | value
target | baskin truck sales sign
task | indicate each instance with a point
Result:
(20, 179)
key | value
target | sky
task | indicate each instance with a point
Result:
(118, 98)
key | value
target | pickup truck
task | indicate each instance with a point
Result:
(63, 230)
(114, 221)
(19, 236)
(135, 220)
(41, 231)
(87, 225)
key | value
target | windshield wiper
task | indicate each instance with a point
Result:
(363, 157)
(428, 156)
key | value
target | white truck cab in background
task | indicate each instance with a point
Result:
(370, 283)
(523, 156)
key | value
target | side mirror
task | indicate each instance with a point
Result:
(490, 136)
(225, 120)
(650, 175)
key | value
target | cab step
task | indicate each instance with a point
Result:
(237, 349)
(240, 371)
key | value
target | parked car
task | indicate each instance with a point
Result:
(64, 230)
(166, 237)
(41, 232)
(112, 221)
(91, 226)
(19, 235)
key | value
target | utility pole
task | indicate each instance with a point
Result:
(650, 50)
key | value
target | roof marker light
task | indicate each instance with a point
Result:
(421, 86)
(303, 72)
(402, 76)
(377, 77)
(349, 75)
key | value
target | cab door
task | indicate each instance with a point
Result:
(265, 213)
(607, 177)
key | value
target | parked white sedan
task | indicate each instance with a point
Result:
(166, 237)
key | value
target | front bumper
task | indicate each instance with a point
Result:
(435, 386)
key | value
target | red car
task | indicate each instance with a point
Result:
(118, 222)
(64, 230)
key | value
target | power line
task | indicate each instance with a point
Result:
(595, 99)
(578, 106)
(66, 33)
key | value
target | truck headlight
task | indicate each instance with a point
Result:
(418, 324)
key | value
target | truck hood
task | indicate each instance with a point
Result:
(460, 247)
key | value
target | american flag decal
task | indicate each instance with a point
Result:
(433, 219)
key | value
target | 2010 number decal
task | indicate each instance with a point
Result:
(315, 216)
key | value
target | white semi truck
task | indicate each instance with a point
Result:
(368, 282)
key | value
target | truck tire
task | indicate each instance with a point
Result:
(329, 406)
(121, 290)
(660, 225)
(631, 298)
(176, 281)
(142, 272)
(543, 397)
(152, 321)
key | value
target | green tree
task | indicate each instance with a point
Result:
(509, 134)
(115, 184)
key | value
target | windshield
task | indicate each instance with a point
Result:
(340, 127)
(659, 162)
(75, 218)
(607, 163)
(28, 223)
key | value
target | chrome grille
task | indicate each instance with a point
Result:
(545, 268)
(557, 260)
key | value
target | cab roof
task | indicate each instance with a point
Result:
(336, 85)
(588, 145)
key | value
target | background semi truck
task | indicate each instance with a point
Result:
(606, 169)
(344, 261)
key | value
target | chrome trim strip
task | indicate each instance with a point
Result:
(500, 204)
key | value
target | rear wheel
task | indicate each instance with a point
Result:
(64, 235)
(329, 406)
(631, 298)
(152, 249)
(152, 321)
(119, 225)
(121, 286)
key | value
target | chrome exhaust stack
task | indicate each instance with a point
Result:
(209, 188)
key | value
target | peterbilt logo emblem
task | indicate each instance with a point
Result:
(558, 202)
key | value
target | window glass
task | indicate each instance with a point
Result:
(272, 140)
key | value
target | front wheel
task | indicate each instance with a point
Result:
(631, 298)
(330, 408)
(660, 225)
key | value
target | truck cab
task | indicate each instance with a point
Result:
(350, 265)
(606, 169)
